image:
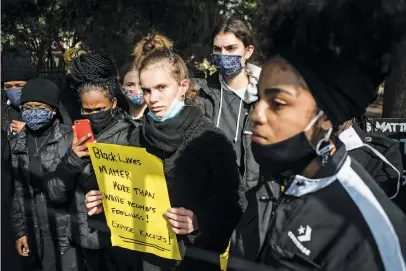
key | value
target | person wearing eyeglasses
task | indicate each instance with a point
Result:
(39, 226)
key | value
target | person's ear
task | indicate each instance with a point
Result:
(114, 102)
(249, 50)
(184, 86)
(324, 123)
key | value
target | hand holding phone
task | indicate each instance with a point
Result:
(82, 134)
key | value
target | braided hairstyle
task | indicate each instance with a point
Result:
(94, 72)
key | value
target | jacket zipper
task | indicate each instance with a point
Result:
(245, 149)
(282, 194)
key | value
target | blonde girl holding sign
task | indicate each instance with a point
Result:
(199, 165)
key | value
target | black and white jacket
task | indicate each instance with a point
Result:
(339, 220)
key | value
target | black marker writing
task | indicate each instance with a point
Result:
(144, 193)
(121, 187)
(142, 207)
(124, 213)
(115, 172)
(114, 198)
(153, 236)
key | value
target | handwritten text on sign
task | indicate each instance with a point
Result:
(135, 197)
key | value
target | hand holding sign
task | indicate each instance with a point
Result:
(183, 221)
(134, 195)
(94, 202)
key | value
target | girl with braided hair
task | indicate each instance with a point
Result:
(315, 207)
(97, 68)
(199, 165)
(96, 88)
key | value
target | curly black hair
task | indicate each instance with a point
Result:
(361, 31)
(94, 72)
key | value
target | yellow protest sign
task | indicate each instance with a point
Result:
(135, 197)
(224, 259)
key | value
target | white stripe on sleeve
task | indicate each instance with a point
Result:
(375, 217)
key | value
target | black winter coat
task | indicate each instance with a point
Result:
(339, 220)
(79, 178)
(24, 217)
(8, 251)
(202, 176)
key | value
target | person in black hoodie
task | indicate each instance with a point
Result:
(199, 166)
(325, 211)
(16, 70)
(109, 124)
(38, 225)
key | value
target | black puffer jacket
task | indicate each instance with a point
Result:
(87, 232)
(202, 176)
(24, 217)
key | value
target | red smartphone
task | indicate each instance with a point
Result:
(83, 128)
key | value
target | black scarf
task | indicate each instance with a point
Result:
(165, 137)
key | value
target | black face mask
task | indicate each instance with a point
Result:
(287, 157)
(99, 120)
(284, 158)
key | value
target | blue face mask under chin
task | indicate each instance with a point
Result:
(227, 65)
(14, 95)
(173, 111)
(37, 118)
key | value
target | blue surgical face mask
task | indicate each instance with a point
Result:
(227, 65)
(37, 118)
(14, 95)
(173, 111)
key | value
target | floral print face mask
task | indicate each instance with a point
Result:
(37, 118)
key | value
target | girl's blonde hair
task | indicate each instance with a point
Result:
(156, 49)
(149, 44)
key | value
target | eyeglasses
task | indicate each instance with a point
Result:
(41, 107)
